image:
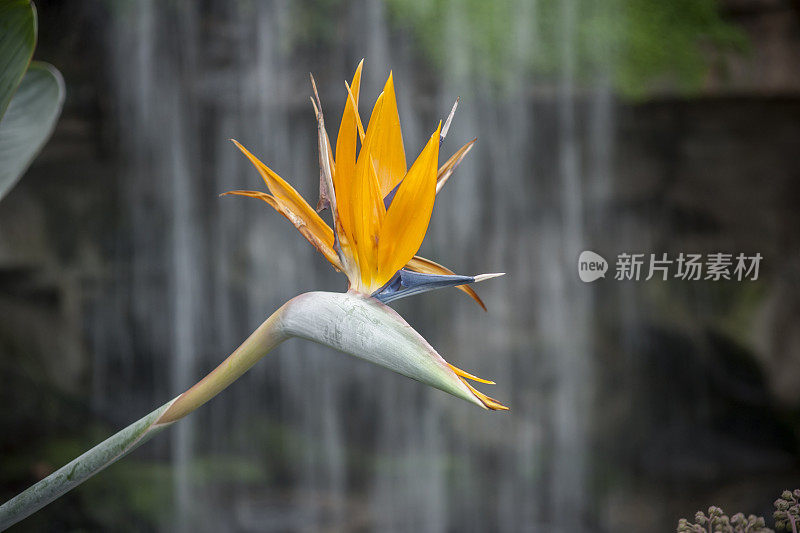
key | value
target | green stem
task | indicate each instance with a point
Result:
(268, 335)
(69, 476)
(80, 469)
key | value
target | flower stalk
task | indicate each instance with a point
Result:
(268, 335)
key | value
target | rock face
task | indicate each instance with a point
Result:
(719, 174)
(769, 66)
(693, 384)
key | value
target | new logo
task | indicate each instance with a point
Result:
(591, 266)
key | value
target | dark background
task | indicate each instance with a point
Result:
(633, 126)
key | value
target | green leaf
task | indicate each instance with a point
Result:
(29, 121)
(17, 41)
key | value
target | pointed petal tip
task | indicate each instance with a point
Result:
(488, 403)
(467, 375)
(484, 277)
(447, 122)
(352, 99)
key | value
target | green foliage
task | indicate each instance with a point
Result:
(311, 22)
(30, 98)
(639, 42)
(29, 121)
(17, 41)
(679, 39)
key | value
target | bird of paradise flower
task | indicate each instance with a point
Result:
(380, 210)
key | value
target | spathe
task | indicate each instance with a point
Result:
(365, 328)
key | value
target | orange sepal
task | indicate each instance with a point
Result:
(346, 154)
(320, 237)
(467, 375)
(388, 151)
(409, 214)
(366, 203)
(289, 196)
(446, 170)
(488, 402)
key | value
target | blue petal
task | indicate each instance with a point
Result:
(387, 200)
(407, 283)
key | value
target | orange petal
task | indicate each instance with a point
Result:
(368, 225)
(346, 154)
(446, 170)
(290, 198)
(426, 266)
(354, 100)
(410, 212)
(276, 185)
(467, 375)
(488, 402)
(321, 237)
(367, 209)
(388, 151)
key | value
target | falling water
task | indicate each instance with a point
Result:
(570, 322)
(311, 440)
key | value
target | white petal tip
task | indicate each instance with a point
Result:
(484, 277)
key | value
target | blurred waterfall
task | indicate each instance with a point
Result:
(163, 148)
(567, 308)
(311, 440)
